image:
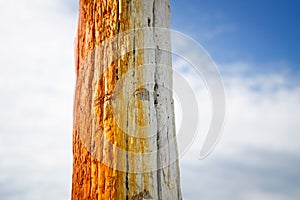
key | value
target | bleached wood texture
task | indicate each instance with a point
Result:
(124, 141)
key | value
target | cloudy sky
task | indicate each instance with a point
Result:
(256, 47)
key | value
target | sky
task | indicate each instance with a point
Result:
(256, 47)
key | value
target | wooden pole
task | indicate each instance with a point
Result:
(124, 141)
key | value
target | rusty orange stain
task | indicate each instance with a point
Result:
(99, 20)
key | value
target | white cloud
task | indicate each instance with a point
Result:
(257, 155)
(36, 83)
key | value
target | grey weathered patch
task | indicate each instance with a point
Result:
(142, 94)
(142, 195)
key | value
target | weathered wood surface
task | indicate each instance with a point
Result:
(124, 133)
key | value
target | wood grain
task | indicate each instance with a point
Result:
(123, 130)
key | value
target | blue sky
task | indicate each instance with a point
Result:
(256, 47)
(255, 31)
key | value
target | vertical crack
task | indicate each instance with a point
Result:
(127, 161)
(134, 49)
(158, 172)
(119, 17)
(153, 13)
